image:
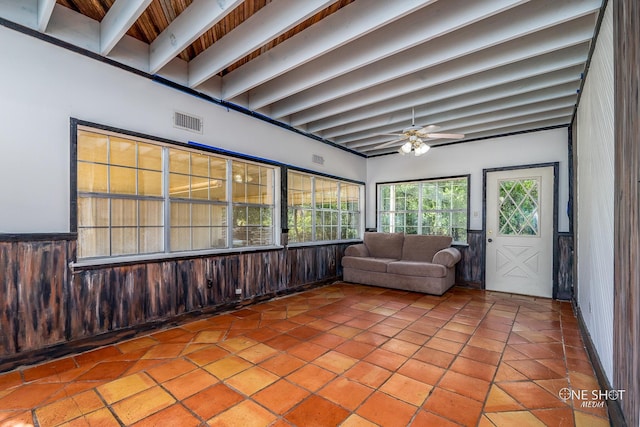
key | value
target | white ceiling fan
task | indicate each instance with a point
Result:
(414, 135)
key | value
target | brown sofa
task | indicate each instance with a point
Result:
(395, 260)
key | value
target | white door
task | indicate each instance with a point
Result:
(519, 238)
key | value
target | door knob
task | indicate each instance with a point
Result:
(490, 240)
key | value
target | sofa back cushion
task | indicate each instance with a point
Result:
(384, 245)
(422, 248)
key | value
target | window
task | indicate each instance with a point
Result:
(141, 197)
(436, 207)
(322, 209)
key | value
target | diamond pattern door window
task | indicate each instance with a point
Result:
(518, 212)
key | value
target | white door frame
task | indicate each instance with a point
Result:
(554, 245)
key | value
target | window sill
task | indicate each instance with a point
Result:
(94, 263)
(323, 243)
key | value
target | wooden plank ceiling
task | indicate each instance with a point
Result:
(356, 72)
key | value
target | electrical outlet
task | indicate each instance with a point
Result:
(238, 291)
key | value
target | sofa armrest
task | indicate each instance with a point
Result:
(359, 250)
(447, 257)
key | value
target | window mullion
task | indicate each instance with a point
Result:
(229, 204)
(313, 209)
(166, 200)
(420, 208)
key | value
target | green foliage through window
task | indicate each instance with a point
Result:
(437, 207)
(322, 209)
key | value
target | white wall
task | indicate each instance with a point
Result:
(42, 86)
(595, 196)
(472, 158)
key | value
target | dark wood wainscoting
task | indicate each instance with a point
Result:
(565, 266)
(626, 316)
(47, 309)
(470, 269)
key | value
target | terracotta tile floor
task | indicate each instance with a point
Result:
(337, 355)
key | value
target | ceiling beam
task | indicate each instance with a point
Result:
(349, 23)
(265, 25)
(449, 120)
(420, 27)
(120, 17)
(45, 10)
(466, 41)
(547, 41)
(186, 28)
(501, 131)
(555, 66)
(492, 121)
(509, 95)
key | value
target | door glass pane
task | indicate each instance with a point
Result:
(518, 202)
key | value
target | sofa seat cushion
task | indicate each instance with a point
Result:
(416, 268)
(367, 264)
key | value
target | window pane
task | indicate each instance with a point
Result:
(151, 213)
(200, 165)
(93, 242)
(180, 238)
(217, 190)
(93, 212)
(92, 178)
(180, 214)
(149, 156)
(179, 161)
(219, 237)
(122, 152)
(179, 186)
(239, 192)
(218, 168)
(201, 237)
(151, 239)
(124, 213)
(122, 180)
(92, 147)
(199, 188)
(124, 240)
(200, 215)
(149, 183)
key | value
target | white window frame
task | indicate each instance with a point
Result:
(314, 240)
(420, 211)
(166, 199)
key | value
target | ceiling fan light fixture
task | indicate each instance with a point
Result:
(421, 149)
(406, 147)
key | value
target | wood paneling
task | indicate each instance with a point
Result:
(44, 303)
(565, 266)
(33, 277)
(469, 269)
(626, 340)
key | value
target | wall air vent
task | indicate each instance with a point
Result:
(317, 159)
(187, 122)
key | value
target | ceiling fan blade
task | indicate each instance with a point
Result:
(390, 134)
(429, 128)
(446, 135)
(388, 143)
